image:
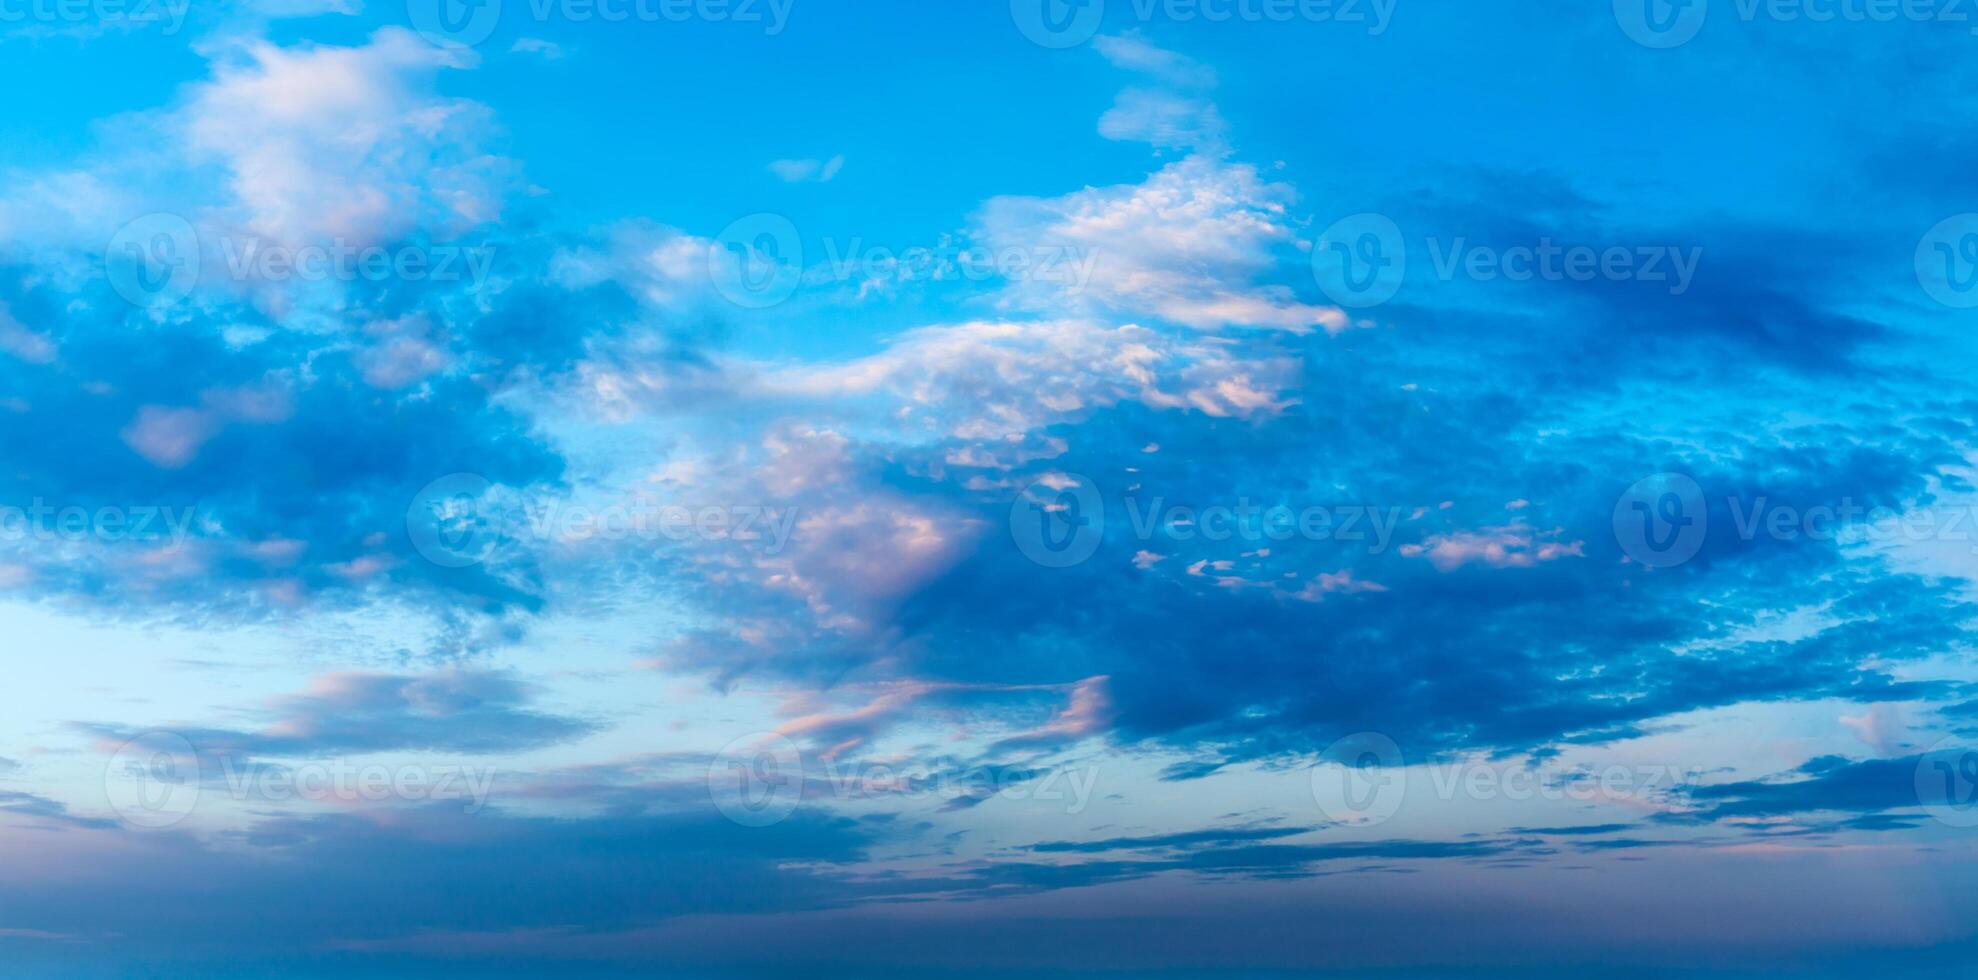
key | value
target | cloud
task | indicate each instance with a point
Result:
(1133, 53)
(1187, 840)
(1187, 246)
(1824, 784)
(993, 380)
(546, 50)
(453, 710)
(345, 143)
(40, 811)
(807, 171)
(1881, 728)
(1514, 545)
(384, 877)
(1175, 115)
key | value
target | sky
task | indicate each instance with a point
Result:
(1121, 488)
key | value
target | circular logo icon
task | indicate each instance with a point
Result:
(757, 780)
(1359, 779)
(757, 261)
(1360, 260)
(462, 22)
(153, 261)
(1058, 24)
(1059, 520)
(1947, 261)
(1661, 24)
(1947, 784)
(152, 781)
(1661, 521)
(453, 522)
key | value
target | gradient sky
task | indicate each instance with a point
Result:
(1131, 489)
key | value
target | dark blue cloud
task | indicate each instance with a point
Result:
(453, 710)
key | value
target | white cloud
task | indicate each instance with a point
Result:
(28, 345)
(1166, 120)
(1187, 245)
(996, 380)
(547, 50)
(801, 171)
(1514, 545)
(326, 143)
(1132, 53)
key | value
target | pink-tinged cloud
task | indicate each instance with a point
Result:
(1329, 583)
(170, 437)
(1514, 545)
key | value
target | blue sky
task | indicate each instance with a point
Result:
(1129, 488)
